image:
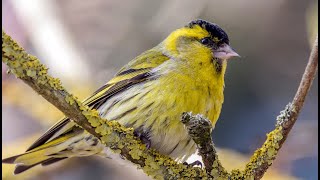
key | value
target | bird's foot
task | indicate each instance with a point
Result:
(195, 163)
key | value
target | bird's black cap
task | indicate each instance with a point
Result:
(213, 29)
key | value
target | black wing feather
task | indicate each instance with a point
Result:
(47, 135)
(113, 90)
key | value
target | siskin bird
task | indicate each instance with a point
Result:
(184, 73)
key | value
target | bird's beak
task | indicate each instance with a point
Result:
(225, 52)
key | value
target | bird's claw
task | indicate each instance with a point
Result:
(195, 163)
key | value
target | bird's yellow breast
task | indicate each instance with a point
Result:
(191, 87)
(156, 106)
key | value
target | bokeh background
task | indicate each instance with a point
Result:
(85, 42)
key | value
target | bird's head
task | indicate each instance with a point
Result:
(199, 41)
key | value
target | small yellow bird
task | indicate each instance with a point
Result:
(184, 73)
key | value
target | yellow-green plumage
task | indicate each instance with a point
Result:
(150, 93)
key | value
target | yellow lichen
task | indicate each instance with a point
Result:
(267, 153)
(94, 121)
(91, 115)
(136, 153)
(69, 99)
(236, 174)
(110, 139)
(214, 172)
(23, 65)
(103, 129)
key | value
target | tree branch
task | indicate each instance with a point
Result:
(264, 156)
(199, 128)
(120, 139)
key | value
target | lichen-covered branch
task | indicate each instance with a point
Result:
(199, 128)
(111, 133)
(263, 157)
(121, 140)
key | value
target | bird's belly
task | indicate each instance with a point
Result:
(156, 111)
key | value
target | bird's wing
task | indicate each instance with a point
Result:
(136, 71)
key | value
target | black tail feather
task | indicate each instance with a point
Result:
(51, 161)
(21, 168)
(10, 160)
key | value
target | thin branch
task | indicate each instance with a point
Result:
(199, 128)
(263, 157)
(305, 83)
(120, 139)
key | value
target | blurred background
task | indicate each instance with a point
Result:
(84, 43)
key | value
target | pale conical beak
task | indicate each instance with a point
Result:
(225, 52)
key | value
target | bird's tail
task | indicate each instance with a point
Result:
(70, 143)
(30, 159)
(44, 154)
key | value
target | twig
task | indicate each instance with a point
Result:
(263, 157)
(199, 128)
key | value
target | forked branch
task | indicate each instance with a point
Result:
(121, 140)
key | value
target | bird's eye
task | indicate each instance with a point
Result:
(206, 41)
